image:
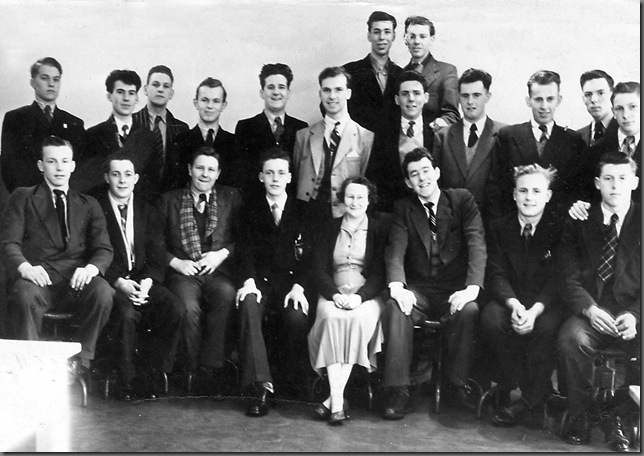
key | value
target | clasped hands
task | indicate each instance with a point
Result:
(623, 326)
(347, 301)
(208, 263)
(38, 275)
(137, 293)
(522, 319)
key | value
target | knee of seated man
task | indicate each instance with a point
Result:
(470, 310)
(22, 292)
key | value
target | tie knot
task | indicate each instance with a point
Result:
(59, 193)
(122, 207)
(125, 128)
(527, 230)
(599, 126)
(157, 120)
(203, 197)
(429, 206)
(543, 128)
(278, 121)
(274, 206)
(211, 131)
(412, 123)
(629, 140)
(613, 219)
(473, 127)
(47, 109)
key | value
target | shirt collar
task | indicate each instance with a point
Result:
(329, 123)
(480, 124)
(362, 225)
(535, 127)
(434, 199)
(42, 105)
(621, 136)
(418, 122)
(534, 224)
(607, 214)
(271, 117)
(120, 123)
(65, 189)
(154, 116)
(204, 130)
(116, 203)
(376, 66)
(281, 201)
(195, 196)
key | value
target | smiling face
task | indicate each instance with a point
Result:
(356, 200)
(210, 104)
(418, 41)
(204, 172)
(411, 98)
(275, 93)
(543, 102)
(616, 183)
(46, 84)
(473, 97)
(159, 89)
(334, 94)
(275, 175)
(121, 179)
(124, 98)
(531, 193)
(57, 165)
(381, 36)
(423, 178)
(596, 96)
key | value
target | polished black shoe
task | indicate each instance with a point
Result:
(259, 404)
(396, 404)
(463, 395)
(614, 434)
(336, 418)
(509, 416)
(579, 431)
(323, 413)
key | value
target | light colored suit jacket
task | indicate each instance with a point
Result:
(351, 160)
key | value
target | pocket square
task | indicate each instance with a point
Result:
(353, 154)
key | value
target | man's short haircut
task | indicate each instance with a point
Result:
(420, 20)
(543, 77)
(549, 173)
(614, 158)
(380, 16)
(160, 69)
(204, 150)
(411, 75)
(332, 72)
(121, 155)
(49, 61)
(127, 77)
(596, 74)
(625, 87)
(270, 69)
(213, 84)
(474, 74)
(360, 180)
(416, 155)
(54, 141)
(273, 153)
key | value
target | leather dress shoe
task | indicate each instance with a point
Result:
(614, 434)
(509, 416)
(579, 431)
(463, 395)
(259, 404)
(396, 405)
(323, 413)
(337, 418)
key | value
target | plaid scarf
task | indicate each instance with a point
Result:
(188, 226)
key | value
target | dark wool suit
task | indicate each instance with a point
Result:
(586, 131)
(267, 254)
(449, 156)
(102, 140)
(526, 271)
(164, 311)
(368, 105)
(30, 232)
(580, 257)
(515, 146)
(23, 130)
(174, 128)
(461, 244)
(210, 298)
(255, 135)
(384, 168)
(442, 80)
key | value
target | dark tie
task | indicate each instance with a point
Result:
(628, 146)
(277, 213)
(609, 250)
(527, 231)
(60, 211)
(335, 141)
(432, 219)
(48, 114)
(123, 137)
(279, 129)
(473, 136)
(201, 205)
(599, 132)
(123, 211)
(157, 127)
(410, 129)
(541, 145)
(210, 139)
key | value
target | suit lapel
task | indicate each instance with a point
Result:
(594, 230)
(419, 219)
(483, 147)
(347, 140)
(515, 246)
(39, 115)
(458, 147)
(526, 144)
(139, 229)
(114, 228)
(47, 212)
(629, 240)
(317, 148)
(75, 213)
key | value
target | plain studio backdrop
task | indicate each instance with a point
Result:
(231, 40)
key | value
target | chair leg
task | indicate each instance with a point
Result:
(165, 383)
(106, 388)
(369, 393)
(490, 392)
(84, 387)
(189, 382)
(438, 375)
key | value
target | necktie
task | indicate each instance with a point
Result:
(201, 205)
(123, 136)
(279, 129)
(527, 231)
(609, 250)
(432, 219)
(541, 145)
(381, 77)
(473, 136)
(628, 146)
(277, 213)
(410, 129)
(335, 141)
(123, 211)
(210, 139)
(599, 132)
(48, 114)
(60, 211)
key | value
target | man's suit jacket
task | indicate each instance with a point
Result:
(442, 80)
(174, 128)
(30, 232)
(351, 159)
(460, 236)
(149, 243)
(449, 155)
(516, 145)
(580, 257)
(514, 271)
(223, 236)
(23, 130)
(368, 105)
(586, 131)
(230, 163)
(384, 164)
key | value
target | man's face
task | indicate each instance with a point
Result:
(210, 103)
(423, 178)
(543, 102)
(159, 89)
(204, 172)
(411, 98)
(616, 183)
(57, 165)
(124, 98)
(275, 175)
(596, 96)
(121, 178)
(418, 41)
(275, 93)
(334, 94)
(626, 109)
(381, 36)
(531, 194)
(473, 96)
(46, 84)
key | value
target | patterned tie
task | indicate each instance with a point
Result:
(156, 130)
(432, 219)
(599, 132)
(60, 211)
(123, 211)
(210, 139)
(48, 114)
(123, 137)
(527, 231)
(473, 136)
(279, 129)
(609, 250)
(277, 213)
(628, 146)
(541, 145)
(410, 129)
(335, 141)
